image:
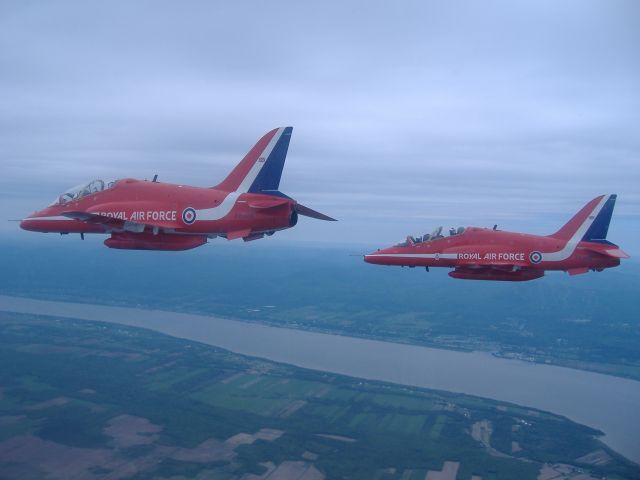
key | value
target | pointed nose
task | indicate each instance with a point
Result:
(373, 257)
(33, 222)
(29, 224)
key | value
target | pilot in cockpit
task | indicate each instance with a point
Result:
(79, 191)
(427, 237)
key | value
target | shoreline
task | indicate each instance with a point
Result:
(495, 352)
(579, 394)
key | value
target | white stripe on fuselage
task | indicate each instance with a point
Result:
(572, 243)
(445, 256)
(56, 218)
(222, 210)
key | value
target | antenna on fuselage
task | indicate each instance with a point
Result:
(155, 178)
(495, 226)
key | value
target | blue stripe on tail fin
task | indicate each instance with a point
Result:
(597, 232)
(269, 176)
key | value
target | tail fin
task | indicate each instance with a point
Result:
(591, 223)
(261, 168)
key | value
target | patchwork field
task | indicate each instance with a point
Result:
(92, 400)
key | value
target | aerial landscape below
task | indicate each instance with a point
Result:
(461, 302)
(588, 322)
(93, 400)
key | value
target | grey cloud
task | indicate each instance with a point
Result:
(403, 112)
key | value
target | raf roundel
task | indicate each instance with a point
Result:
(535, 257)
(188, 215)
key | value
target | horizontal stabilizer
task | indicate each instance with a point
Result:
(617, 253)
(270, 203)
(607, 249)
(308, 212)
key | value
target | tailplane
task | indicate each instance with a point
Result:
(261, 168)
(607, 249)
(590, 224)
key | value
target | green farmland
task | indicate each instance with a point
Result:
(121, 402)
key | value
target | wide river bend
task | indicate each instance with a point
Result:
(605, 402)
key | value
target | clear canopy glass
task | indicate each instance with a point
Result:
(79, 191)
(427, 237)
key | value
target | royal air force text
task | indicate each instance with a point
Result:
(143, 216)
(510, 257)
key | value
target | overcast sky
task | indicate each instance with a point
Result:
(406, 115)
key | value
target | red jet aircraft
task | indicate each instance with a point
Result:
(490, 254)
(144, 215)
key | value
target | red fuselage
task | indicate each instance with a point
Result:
(142, 211)
(489, 254)
(485, 254)
(161, 216)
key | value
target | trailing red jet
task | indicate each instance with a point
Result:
(490, 254)
(150, 215)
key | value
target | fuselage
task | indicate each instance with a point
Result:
(475, 250)
(143, 215)
(176, 209)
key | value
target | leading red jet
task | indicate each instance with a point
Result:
(150, 215)
(489, 254)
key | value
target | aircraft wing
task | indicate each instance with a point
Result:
(113, 223)
(92, 218)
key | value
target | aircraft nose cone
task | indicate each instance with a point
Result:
(373, 257)
(28, 224)
(33, 221)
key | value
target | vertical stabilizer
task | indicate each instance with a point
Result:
(598, 230)
(261, 168)
(591, 223)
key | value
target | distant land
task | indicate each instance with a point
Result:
(588, 322)
(92, 400)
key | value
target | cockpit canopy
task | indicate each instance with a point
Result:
(427, 237)
(79, 191)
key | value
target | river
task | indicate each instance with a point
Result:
(608, 403)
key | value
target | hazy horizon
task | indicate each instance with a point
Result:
(405, 117)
